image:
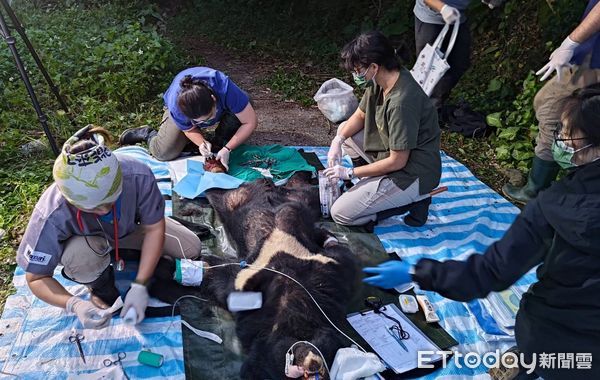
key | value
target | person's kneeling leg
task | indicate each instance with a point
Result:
(88, 263)
(375, 198)
(180, 241)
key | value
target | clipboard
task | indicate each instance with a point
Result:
(400, 355)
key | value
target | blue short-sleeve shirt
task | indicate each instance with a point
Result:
(591, 46)
(230, 98)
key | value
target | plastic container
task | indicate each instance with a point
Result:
(329, 192)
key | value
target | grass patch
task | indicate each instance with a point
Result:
(293, 85)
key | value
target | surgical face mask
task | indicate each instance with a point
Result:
(563, 154)
(361, 79)
(207, 122)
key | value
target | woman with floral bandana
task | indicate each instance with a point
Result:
(98, 204)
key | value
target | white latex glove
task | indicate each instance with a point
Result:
(338, 172)
(334, 156)
(90, 316)
(223, 156)
(493, 3)
(137, 297)
(450, 14)
(559, 58)
(205, 148)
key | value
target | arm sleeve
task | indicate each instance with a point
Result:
(41, 246)
(523, 246)
(364, 100)
(181, 121)
(151, 206)
(403, 127)
(235, 99)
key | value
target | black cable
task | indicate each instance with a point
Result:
(403, 334)
(108, 246)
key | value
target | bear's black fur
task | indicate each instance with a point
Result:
(255, 215)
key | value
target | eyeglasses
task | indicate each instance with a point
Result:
(557, 131)
(208, 121)
(364, 73)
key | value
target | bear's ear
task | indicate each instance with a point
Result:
(229, 200)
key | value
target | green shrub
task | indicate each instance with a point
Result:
(517, 127)
(109, 62)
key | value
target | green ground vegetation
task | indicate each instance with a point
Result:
(110, 61)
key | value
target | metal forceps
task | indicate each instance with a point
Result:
(120, 356)
(77, 338)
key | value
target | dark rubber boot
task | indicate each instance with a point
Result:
(137, 135)
(419, 211)
(103, 289)
(540, 177)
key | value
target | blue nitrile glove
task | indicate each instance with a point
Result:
(389, 274)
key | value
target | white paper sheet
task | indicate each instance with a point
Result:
(374, 328)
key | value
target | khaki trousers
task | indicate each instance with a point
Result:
(84, 264)
(548, 107)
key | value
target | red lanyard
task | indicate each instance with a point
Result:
(115, 231)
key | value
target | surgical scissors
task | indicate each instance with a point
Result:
(77, 338)
(120, 356)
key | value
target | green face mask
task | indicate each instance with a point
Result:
(563, 154)
(361, 79)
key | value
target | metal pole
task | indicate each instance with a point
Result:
(19, 28)
(41, 116)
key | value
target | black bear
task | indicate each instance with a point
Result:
(275, 227)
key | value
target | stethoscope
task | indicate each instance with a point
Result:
(120, 262)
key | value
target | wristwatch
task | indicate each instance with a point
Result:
(351, 173)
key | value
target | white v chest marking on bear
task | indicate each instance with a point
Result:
(278, 241)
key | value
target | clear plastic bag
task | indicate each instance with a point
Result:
(336, 100)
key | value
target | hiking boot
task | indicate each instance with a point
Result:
(418, 213)
(540, 177)
(137, 135)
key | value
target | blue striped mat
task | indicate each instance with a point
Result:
(464, 220)
(34, 339)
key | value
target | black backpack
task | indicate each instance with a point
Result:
(464, 120)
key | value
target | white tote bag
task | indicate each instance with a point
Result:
(432, 62)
